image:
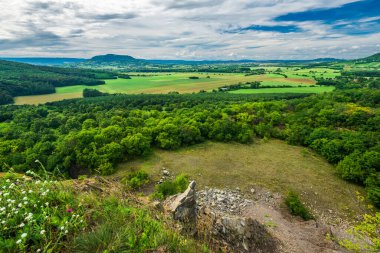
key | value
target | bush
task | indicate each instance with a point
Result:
(167, 188)
(136, 179)
(296, 207)
(373, 188)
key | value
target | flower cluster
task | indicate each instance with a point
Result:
(35, 214)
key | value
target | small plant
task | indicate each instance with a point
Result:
(366, 233)
(137, 179)
(167, 188)
(36, 213)
(296, 207)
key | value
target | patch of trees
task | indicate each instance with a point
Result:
(18, 79)
(350, 82)
(93, 135)
(88, 93)
(193, 77)
(362, 73)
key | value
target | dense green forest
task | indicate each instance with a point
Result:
(17, 79)
(93, 135)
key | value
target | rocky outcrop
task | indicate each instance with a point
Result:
(216, 218)
(226, 201)
(183, 207)
(220, 220)
(236, 234)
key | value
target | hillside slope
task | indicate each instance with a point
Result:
(17, 79)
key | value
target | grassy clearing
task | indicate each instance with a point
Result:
(163, 83)
(320, 89)
(273, 165)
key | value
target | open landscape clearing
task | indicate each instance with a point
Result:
(193, 126)
(285, 90)
(178, 82)
(274, 165)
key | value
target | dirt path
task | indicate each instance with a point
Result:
(296, 236)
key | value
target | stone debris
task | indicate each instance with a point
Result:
(226, 201)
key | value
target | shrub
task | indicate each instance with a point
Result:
(136, 179)
(296, 207)
(167, 188)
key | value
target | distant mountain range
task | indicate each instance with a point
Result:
(45, 61)
(125, 60)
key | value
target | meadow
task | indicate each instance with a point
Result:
(272, 165)
(318, 89)
(163, 83)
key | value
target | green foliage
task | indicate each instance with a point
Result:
(296, 207)
(88, 93)
(93, 135)
(366, 234)
(136, 179)
(17, 79)
(122, 228)
(167, 188)
(37, 215)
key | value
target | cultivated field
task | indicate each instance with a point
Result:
(163, 83)
(285, 90)
(274, 165)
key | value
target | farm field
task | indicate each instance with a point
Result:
(274, 165)
(307, 73)
(167, 82)
(319, 89)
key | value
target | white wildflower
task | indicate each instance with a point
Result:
(24, 235)
(42, 232)
(18, 242)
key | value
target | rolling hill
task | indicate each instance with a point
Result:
(24, 79)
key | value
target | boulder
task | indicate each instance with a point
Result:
(183, 207)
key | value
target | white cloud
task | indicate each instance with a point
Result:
(170, 29)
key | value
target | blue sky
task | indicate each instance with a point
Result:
(191, 29)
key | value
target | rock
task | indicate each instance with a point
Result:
(184, 208)
(166, 173)
(157, 205)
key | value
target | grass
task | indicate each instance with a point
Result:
(164, 83)
(274, 165)
(319, 89)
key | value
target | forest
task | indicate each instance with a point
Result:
(17, 79)
(93, 135)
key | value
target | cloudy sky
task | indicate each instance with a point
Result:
(191, 29)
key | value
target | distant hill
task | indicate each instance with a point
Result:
(45, 61)
(17, 79)
(372, 58)
(109, 58)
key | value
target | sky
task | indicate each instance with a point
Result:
(191, 29)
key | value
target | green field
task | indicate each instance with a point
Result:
(274, 165)
(164, 83)
(319, 89)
